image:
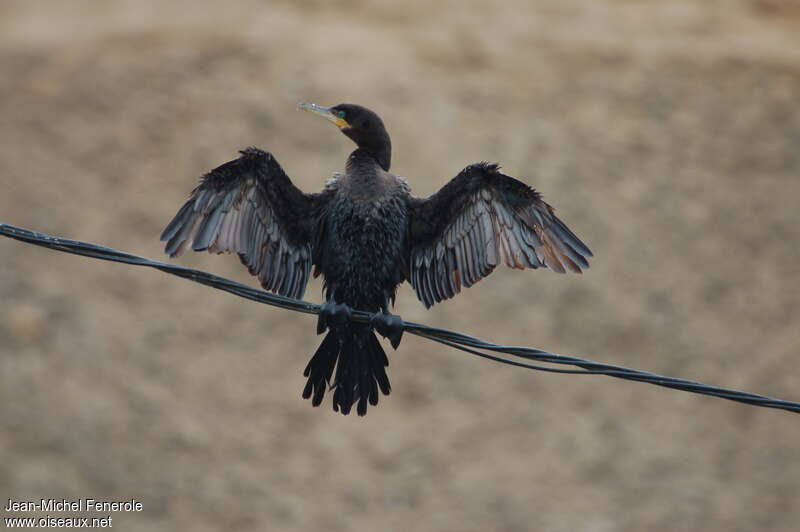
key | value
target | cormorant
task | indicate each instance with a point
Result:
(366, 234)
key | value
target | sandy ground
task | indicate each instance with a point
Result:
(666, 133)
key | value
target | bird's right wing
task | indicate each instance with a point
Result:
(250, 206)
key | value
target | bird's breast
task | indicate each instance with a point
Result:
(364, 243)
(377, 221)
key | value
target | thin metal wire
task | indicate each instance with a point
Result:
(468, 344)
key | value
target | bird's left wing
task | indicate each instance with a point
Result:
(480, 218)
(250, 206)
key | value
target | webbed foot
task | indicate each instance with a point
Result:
(332, 314)
(389, 326)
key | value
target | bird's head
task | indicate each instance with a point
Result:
(362, 125)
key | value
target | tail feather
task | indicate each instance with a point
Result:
(360, 363)
(320, 368)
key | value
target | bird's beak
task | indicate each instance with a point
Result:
(325, 112)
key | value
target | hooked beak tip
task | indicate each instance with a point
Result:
(324, 112)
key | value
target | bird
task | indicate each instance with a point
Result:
(366, 234)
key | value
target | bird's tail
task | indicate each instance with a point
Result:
(360, 362)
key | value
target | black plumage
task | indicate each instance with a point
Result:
(366, 234)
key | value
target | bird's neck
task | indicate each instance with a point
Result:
(380, 154)
(365, 178)
(362, 165)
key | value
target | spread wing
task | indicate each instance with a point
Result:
(479, 219)
(250, 206)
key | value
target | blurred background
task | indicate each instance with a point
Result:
(667, 134)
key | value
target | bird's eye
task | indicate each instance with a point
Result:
(340, 114)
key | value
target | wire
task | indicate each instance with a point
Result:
(468, 344)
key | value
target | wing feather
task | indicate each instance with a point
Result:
(478, 220)
(250, 207)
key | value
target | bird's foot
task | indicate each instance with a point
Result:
(389, 326)
(332, 314)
